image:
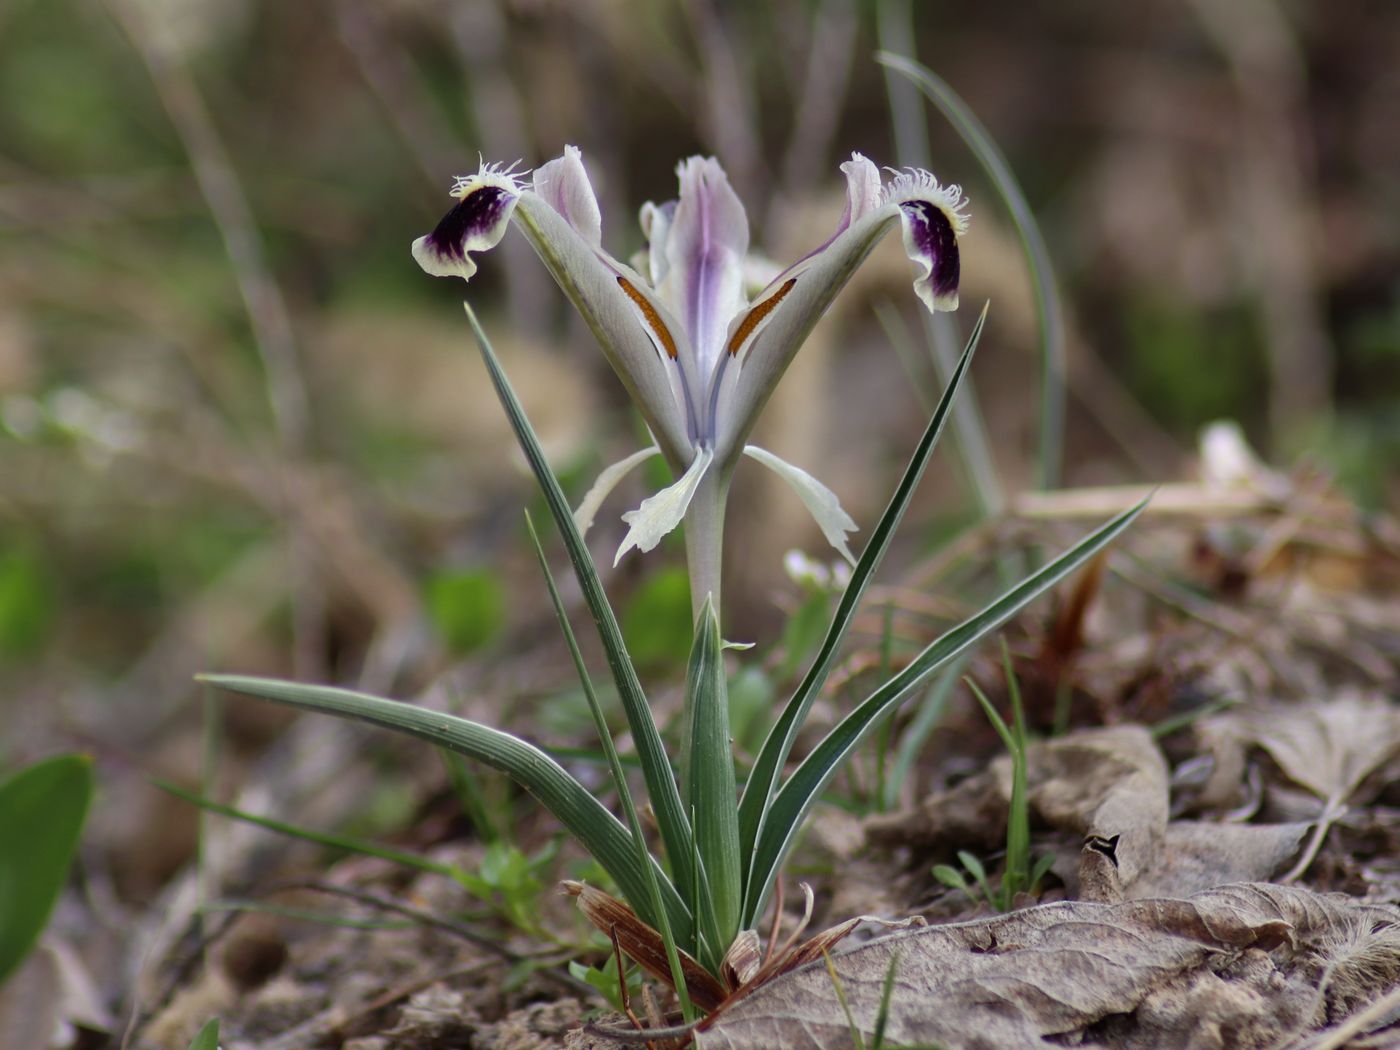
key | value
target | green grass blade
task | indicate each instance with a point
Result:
(656, 769)
(708, 782)
(650, 910)
(208, 1037)
(321, 838)
(1018, 823)
(42, 809)
(768, 766)
(929, 714)
(800, 792)
(993, 716)
(1042, 274)
(601, 833)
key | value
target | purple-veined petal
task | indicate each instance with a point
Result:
(661, 513)
(608, 480)
(476, 223)
(933, 220)
(706, 242)
(819, 500)
(563, 184)
(634, 343)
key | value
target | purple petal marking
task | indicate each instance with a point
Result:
(705, 247)
(475, 216)
(930, 235)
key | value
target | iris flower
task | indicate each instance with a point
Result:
(698, 356)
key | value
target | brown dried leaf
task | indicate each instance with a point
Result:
(1328, 748)
(643, 944)
(1162, 972)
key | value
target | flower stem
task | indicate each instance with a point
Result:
(704, 539)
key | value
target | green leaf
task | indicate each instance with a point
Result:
(208, 1037)
(42, 808)
(467, 608)
(665, 796)
(708, 782)
(1042, 273)
(949, 876)
(800, 792)
(758, 790)
(574, 805)
(650, 909)
(331, 839)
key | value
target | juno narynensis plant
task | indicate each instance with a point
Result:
(699, 352)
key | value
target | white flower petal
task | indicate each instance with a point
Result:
(705, 243)
(607, 481)
(933, 218)
(564, 184)
(592, 281)
(818, 499)
(661, 513)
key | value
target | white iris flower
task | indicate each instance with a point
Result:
(697, 355)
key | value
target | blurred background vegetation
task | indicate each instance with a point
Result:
(240, 429)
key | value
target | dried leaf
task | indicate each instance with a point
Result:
(1328, 748)
(643, 944)
(1152, 969)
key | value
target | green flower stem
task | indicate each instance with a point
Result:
(704, 539)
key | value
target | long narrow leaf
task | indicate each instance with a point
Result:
(322, 838)
(709, 786)
(800, 792)
(769, 765)
(656, 769)
(1042, 273)
(601, 833)
(650, 910)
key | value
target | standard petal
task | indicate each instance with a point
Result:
(606, 482)
(563, 184)
(819, 500)
(706, 242)
(656, 226)
(661, 513)
(476, 223)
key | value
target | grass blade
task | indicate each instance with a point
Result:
(1042, 274)
(708, 782)
(42, 809)
(914, 737)
(798, 795)
(650, 910)
(601, 833)
(768, 766)
(656, 768)
(330, 839)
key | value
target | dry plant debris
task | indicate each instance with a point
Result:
(1240, 966)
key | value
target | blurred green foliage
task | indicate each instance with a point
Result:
(1195, 366)
(656, 619)
(467, 606)
(42, 810)
(27, 601)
